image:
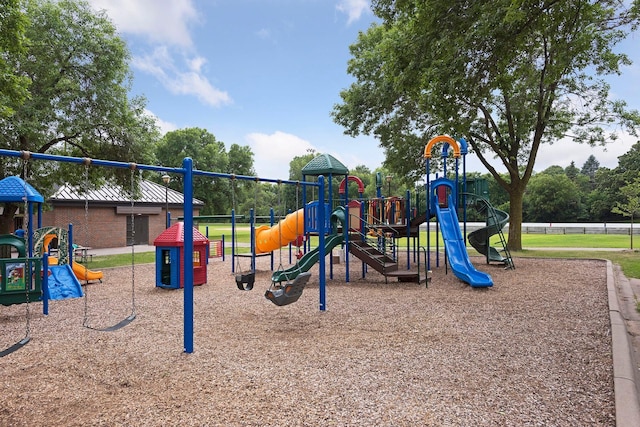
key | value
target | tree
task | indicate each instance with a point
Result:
(572, 171)
(240, 160)
(631, 206)
(551, 198)
(368, 179)
(208, 154)
(590, 167)
(77, 104)
(605, 194)
(13, 87)
(290, 193)
(629, 163)
(608, 182)
(502, 73)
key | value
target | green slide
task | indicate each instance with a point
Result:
(307, 261)
(479, 239)
(311, 257)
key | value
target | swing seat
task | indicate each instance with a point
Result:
(289, 292)
(245, 281)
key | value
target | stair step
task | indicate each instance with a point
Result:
(408, 276)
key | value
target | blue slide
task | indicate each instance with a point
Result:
(63, 283)
(456, 250)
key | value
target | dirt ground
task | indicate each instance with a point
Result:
(533, 350)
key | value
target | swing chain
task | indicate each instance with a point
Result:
(133, 167)
(25, 228)
(235, 235)
(87, 162)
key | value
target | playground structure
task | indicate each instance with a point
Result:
(288, 229)
(63, 274)
(187, 172)
(495, 222)
(443, 203)
(342, 226)
(370, 229)
(44, 237)
(169, 253)
(20, 281)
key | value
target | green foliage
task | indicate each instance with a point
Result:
(13, 87)
(551, 197)
(590, 167)
(631, 205)
(629, 164)
(77, 103)
(208, 154)
(240, 160)
(501, 75)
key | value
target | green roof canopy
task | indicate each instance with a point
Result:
(325, 164)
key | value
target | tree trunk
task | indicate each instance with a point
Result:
(515, 220)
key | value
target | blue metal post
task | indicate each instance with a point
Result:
(428, 193)
(321, 249)
(45, 283)
(187, 164)
(252, 222)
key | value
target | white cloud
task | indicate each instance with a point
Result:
(353, 8)
(191, 81)
(163, 125)
(160, 21)
(272, 153)
(563, 152)
(165, 24)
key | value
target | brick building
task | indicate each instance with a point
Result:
(111, 216)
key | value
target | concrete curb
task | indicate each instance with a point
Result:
(624, 366)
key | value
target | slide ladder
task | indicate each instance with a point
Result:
(495, 222)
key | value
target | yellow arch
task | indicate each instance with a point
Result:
(442, 138)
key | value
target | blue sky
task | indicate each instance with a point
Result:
(266, 73)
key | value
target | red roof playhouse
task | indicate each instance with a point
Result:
(170, 253)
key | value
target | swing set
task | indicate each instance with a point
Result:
(278, 293)
(188, 172)
(289, 292)
(132, 315)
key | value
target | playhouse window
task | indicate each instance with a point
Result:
(196, 259)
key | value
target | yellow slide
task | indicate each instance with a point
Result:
(80, 271)
(286, 231)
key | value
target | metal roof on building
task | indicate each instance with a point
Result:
(150, 192)
(324, 164)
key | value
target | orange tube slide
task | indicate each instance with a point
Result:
(269, 239)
